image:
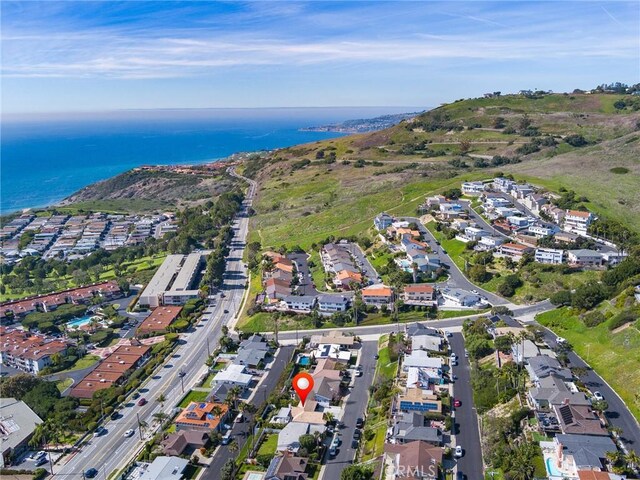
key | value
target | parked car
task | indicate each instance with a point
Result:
(359, 422)
(357, 434)
(354, 444)
(458, 453)
(598, 396)
(128, 433)
(457, 402)
(90, 473)
(41, 461)
(461, 476)
(226, 438)
(99, 431)
(142, 401)
(239, 418)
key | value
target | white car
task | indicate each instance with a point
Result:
(128, 433)
(598, 396)
(458, 452)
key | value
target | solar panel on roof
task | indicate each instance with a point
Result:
(202, 405)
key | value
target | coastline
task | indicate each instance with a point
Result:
(66, 201)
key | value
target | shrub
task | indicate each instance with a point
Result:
(39, 474)
(593, 319)
(619, 170)
(622, 318)
(561, 298)
(576, 140)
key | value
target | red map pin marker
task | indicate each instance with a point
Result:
(303, 384)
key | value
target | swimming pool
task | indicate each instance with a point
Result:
(79, 322)
(552, 470)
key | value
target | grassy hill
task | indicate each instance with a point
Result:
(149, 190)
(337, 186)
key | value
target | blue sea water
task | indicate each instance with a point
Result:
(45, 159)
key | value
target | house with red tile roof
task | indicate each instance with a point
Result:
(202, 416)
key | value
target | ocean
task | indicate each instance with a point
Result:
(44, 159)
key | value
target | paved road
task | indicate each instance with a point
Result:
(240, 431)
(456, 277)
(481, 221)
(355, 407)
(377, 330)
(363, 262)
(466, 419)
(306, 286)
(617, 413)
(111, 451)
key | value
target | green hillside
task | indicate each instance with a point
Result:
(337, 186)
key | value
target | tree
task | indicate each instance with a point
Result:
(599, 405)
(308, 442)
(632, 459)
(479, 274)
(233, 446)
(465, 146)
(161, 399)
(503, 343)
(357, 472)
(227, 471)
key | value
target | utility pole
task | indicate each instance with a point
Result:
(139, 427)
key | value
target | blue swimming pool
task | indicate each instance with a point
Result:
(552, 470)
(305, 361)
(79, 322)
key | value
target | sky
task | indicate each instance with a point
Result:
(91, 56)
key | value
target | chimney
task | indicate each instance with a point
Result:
(559, 454)
(565, 401)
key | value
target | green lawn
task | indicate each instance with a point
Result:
(64, 384)
(317, 271)
(269, 445)
(67, 281)
(455, 248)
(614, 356)
(82, 362)
(193, 396)
(386, 368)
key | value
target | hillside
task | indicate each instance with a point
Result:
(152, 189)
(339, 185)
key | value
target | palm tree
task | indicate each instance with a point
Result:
(616, 431)
(143, 425)
(233, 446)
(328, 417)
(632, 459)
(160, 417)
(217, 411)
(161, 399)
(614, 457)
(414, 271)
(232, 396)
(599, 405)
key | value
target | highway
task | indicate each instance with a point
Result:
(111, 451)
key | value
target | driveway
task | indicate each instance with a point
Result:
(305, 287)
(356, 405)
(240, 431)
(466, 419)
